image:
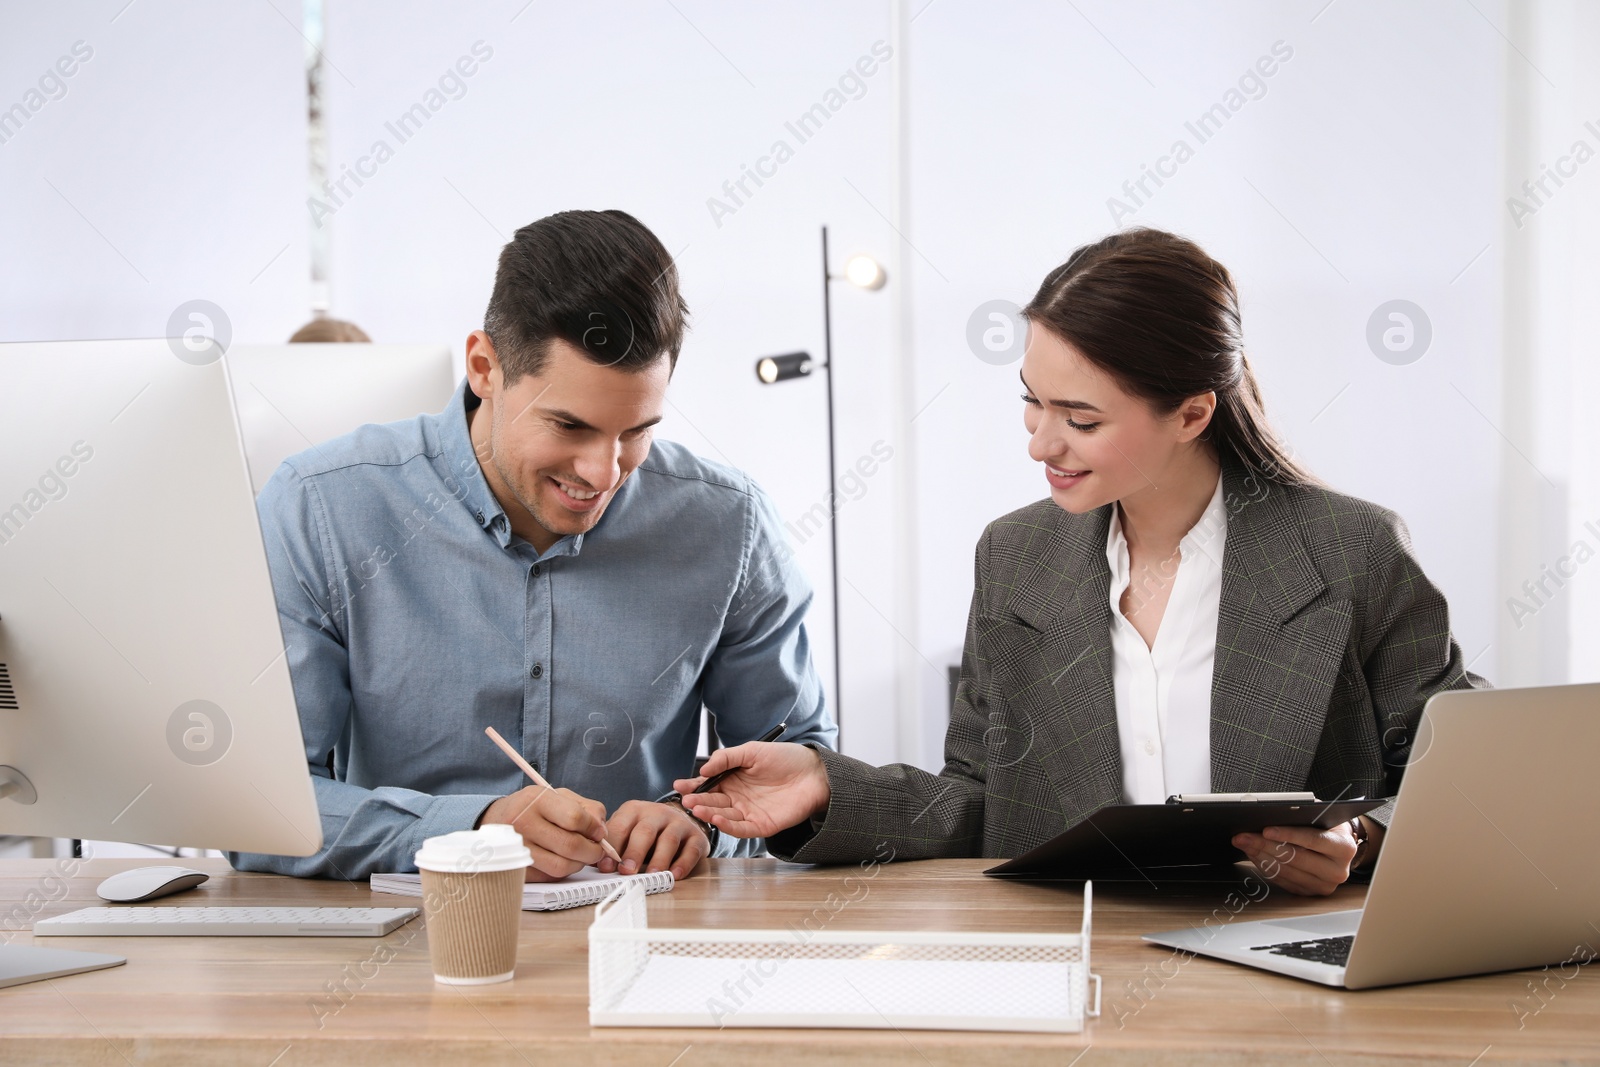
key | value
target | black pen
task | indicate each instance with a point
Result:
(771, 735)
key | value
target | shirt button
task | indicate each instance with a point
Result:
(538, 670)
(536, 570)
(479, 515)
(1149, 746)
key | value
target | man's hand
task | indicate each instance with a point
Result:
(655, 837)
(776, 786)
(1301, 859)
(563, 830)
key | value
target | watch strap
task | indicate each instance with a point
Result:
(713, 835)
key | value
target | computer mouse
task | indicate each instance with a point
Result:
(148, 883)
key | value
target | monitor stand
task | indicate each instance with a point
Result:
(25, 963)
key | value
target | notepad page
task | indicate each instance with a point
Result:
(587, 886)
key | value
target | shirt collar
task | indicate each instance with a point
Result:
(1116, 547)
(1205, 536)
(475, 494)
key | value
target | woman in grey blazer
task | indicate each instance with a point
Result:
(1182, 553)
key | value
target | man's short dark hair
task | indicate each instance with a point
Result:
(598, 280)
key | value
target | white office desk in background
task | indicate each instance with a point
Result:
(292, 397)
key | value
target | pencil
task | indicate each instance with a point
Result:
(538, 779)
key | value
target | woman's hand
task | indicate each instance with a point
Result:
(777, 785)
(1301, 859)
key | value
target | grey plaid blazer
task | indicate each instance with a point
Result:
(1329, 641)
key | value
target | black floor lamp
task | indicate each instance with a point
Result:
(867, 273)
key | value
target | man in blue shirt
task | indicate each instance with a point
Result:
(531, 559)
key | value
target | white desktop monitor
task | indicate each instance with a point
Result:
(144, 689)
(292, 397)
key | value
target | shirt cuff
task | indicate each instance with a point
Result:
(446, 815)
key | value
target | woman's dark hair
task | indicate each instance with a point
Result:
(1155, 312)
(598, 280)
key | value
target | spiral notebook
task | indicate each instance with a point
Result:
(588, 886)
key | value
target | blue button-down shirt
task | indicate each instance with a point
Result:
(413, 618)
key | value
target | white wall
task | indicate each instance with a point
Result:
(170, 166)
(1579, 40)
(1548, 585)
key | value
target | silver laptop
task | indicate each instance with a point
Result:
(1489, 863)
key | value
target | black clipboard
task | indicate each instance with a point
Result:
(1172, 839)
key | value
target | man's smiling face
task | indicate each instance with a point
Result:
(555, 446)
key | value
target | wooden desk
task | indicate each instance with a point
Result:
(288, 1002)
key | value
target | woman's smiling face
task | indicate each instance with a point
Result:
(1097, 443)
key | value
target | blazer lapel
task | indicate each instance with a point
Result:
(1278, 649)
(1057, 664)
(1280, 643)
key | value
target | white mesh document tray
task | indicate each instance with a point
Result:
(833, 978)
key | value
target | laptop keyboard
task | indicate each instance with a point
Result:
(1331, 950)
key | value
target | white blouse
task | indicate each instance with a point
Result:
(1163, 691)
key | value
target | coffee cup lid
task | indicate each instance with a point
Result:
(491, 847)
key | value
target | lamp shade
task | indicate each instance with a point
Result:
(773, 369)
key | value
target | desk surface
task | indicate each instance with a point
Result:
(286, 1002)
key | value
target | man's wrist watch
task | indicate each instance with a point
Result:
(713, 835)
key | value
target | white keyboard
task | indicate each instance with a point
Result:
(225, 922)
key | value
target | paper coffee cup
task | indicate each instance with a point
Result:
(472, 903)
